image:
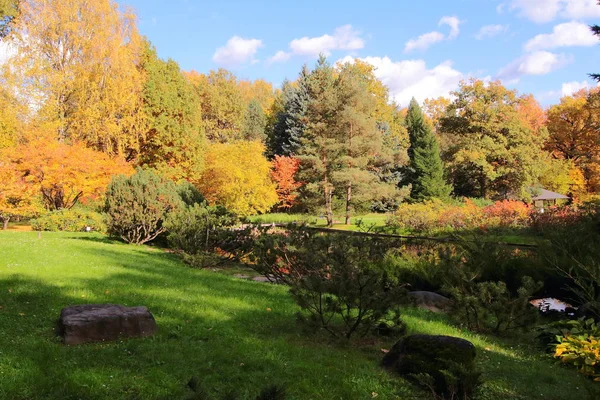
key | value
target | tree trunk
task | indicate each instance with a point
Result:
(348, 199)
(5, 223)
(328, 205)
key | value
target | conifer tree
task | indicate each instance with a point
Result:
(255, 122)
(426, 171)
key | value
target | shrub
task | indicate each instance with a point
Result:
(453, 381)
(138, 205)
(507, 214)
(344, 284)
(490, 291)
(73, 220)
(199, 229)
(581, 351)
(572, 250)
(550, 334)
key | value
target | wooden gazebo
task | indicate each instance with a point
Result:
(547, 198)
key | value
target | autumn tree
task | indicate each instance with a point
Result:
(18, 198)
(283, 173)
(221, 105)
(173, 143)
(258, 90)
(425, 171)
(76, 63)
(255, 122)
(492, 153)
(237, 176)
(10, 123)
(63, 174)
(532, 115)
(9, 9)
(574, 127)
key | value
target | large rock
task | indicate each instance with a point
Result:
(430, 301)
(449, 363)
(104, 322)
(416, 354)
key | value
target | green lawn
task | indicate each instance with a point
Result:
(210, 325)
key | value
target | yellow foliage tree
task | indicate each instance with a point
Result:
(237, 176)
(18, 199)
(76, 63)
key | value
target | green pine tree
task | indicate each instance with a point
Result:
(255, 122)
(426, 171)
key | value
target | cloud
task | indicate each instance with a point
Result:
(548, 10)
(490, 31)
(568, 88)
(237, 51)
(344, 38)
(411, 78)
(536, 63)
(280, 56)
(563, 35)
(426, 40)
(453, 23)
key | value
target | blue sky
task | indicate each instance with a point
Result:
(420, 49)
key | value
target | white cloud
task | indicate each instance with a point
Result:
(564, 35)
(426, 40)
(344, 38)
(237, 51)
(411, 78)
(568, 88)
(536, 63)
(453, 23)
(280, 56)
(490, 31)
(548, 10)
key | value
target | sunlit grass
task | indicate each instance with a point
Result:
(235, 335)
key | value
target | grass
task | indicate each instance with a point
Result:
(234, 335)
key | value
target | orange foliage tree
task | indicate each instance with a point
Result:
(18, 199)
(62, 174)
(284, 174)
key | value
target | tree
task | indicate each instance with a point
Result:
(574, 128)
(221, 104)
(321, 146)
(359, 135)
(531, 114)
(290, 123)
(237, 177)
(491, 152)
(76, 63)
(9, 9)
(10, 124)
(255, 122)
(174, 140)
(596, 31)
(284, 175)
(426, 171)
(18, 198)
(62, 174)
(137, 206)
(259, 90)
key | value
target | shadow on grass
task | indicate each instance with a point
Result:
(235, 335)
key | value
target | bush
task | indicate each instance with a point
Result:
(453, 380)
(550, 335)
(199, 230)
(344, 284)
(581, 351)
(435, 216)
(138, 205)
(491, 293)
(73, 220)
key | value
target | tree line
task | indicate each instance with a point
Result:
(81, 80)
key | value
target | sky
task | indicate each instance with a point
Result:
(420, 48)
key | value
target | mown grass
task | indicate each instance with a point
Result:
(234, 335)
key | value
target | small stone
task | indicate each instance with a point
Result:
(430, 301)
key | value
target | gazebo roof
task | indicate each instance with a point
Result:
(548, 195)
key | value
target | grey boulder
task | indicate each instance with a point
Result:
(104, 322)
